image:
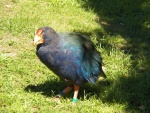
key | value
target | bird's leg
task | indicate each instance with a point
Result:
(67, 89)
(76, 90)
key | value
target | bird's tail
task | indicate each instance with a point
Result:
(92, 63)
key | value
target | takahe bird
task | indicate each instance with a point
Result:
(70, 56)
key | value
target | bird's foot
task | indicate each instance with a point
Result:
(57, 99)
(58, 96)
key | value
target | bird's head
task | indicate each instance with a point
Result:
(38, 38)
(45, 35)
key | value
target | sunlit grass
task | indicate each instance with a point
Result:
(26, 85)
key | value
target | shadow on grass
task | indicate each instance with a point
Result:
(132, 91)
(53, 87)
(49, 88)
(130, 20)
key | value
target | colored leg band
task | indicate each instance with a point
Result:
(61, 93)
(74, 100)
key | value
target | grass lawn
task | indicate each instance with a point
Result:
(120, 30)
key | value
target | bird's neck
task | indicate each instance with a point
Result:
(38, 46)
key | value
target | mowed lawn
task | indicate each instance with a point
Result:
(120, 30)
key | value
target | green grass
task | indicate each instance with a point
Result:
(119, 30)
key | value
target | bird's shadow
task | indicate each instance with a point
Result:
(52, 87)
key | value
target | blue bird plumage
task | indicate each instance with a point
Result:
(71, 56)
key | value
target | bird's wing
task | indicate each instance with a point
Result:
(83, 54)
